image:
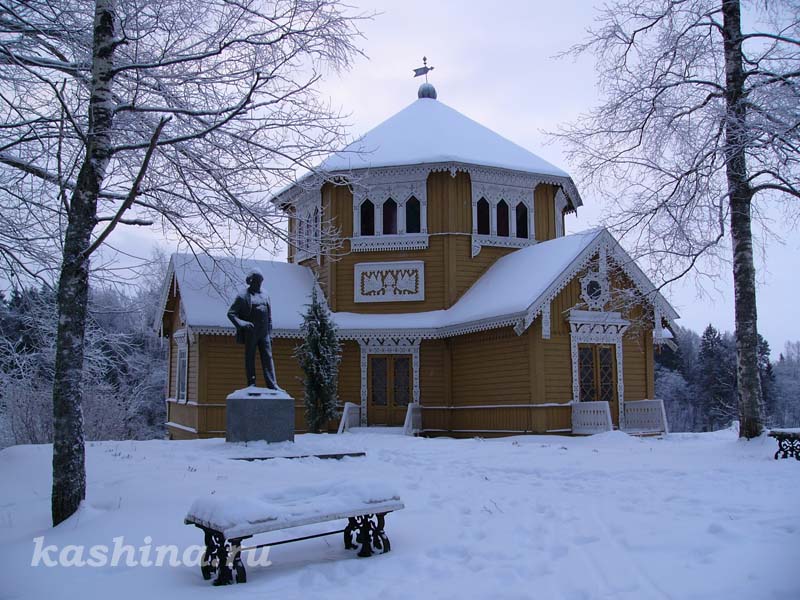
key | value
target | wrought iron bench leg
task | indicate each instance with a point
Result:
(366, 532)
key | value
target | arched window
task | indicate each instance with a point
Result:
(413, 216)
(522, 221)
(389, 217)
(367, 218)
(483, 217)
(502, 219)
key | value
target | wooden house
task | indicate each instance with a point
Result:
(454, 287)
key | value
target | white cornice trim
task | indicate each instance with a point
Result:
(378, 175)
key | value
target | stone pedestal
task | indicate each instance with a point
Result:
(255, 413)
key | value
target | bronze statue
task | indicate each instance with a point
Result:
(252, 315)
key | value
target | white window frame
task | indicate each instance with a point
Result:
(512, 195)
(400, 189)
(182, 366)
(306, 236)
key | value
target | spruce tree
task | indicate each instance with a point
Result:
(319, 355)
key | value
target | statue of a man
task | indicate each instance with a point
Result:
(252, 315)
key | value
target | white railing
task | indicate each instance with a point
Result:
(351, 417)
(413, 422)
(646, 416)
(591, 417)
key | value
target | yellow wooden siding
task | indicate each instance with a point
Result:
(635, 367)
(182, 414)
(433, 256)
(468, 268)
(558, 369)
(490, 367)
(350, 373)
(544, 212)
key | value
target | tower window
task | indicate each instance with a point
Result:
(483, 217)
(413, 222)
(502, 219)
(522, 220)
(367, 218)
(389, 217)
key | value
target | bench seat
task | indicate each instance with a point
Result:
(227, 519)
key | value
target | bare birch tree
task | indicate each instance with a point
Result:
(699, 119)
(185, 114)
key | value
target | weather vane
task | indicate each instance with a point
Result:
(424, 70)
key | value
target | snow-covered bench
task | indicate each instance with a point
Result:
(227, 520)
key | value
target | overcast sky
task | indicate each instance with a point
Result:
(495, 63)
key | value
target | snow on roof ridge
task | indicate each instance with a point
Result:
(430, 131)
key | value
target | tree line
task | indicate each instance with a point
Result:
(123, 372)
(697, 381)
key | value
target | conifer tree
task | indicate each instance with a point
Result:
(319, 355)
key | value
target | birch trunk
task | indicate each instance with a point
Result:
(69, 470)
(740, 199)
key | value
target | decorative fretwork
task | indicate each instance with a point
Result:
(595, 290)
(366, 534)
(390, 282)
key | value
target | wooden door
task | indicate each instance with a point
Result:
(390, 389)
(597, 376)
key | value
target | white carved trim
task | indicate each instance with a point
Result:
(479, 241)
(182, 338)
(306, 236)
(604, 297)
(591, 327)
(546, 322)
(388, 345)
(561, 203)
(408, 241)
(646, 416)
(589, 418)
(350, 417)
(400, 185)
(399, 281)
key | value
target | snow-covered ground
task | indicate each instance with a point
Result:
(610, 516)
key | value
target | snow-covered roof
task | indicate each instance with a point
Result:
(208, 285)
(429, 131)
(513, 291)
(504, 293)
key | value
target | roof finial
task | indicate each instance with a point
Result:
(423, 70)
(426, 90)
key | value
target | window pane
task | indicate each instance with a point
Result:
(586, 374)
(379, 381)
(389, 217)
(606, 376)
(413, 220)
(402, 380)
(502, 219)
(483, 216)
(367, 218)
(522, 221)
